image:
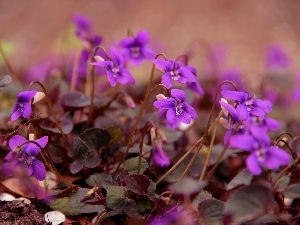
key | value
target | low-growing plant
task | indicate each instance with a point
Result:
(105, 145)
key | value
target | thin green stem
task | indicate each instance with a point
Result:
(93, 83)
(182, 158)
(53, 169)
(146, 98)
(210, 148)
(141, 147)
(207, 130)
(51, 110)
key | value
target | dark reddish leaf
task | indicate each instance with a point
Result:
(139, 184)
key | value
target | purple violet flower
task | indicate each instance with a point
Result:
(22, 155)
(116, 72)
(236, 120)
(82, 25)
(83, 30)
(160, 158)
(134, 48)
(194, 86)
(170, 217)
(174, 71)
(261, 153)
(277, 58)
(177, 110)
(22, 107)
(255, 106)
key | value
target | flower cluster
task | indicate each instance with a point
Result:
(247, 129)
(175, 108)
(23, 156)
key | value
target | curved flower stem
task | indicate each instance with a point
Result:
(207, 130)
(163, 86)
(293, 152)
(75, 71)
(51, 110)
(50, 164)
(186, 58)
(200, 147)
(280, 174)
(282, 134)
(146, 98)
(93, 83)
(53, 169)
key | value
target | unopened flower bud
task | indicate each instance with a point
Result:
(129, 101)
(31, 137)
(38, 96)
(160, 97)
(98, 58)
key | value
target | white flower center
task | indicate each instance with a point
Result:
(178, 109)
(174, 74)
(135, 51)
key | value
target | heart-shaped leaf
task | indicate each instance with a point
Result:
(187, 186)
(248, 203)
(75, 100)
(72, 205)
(210, 211)
(85, 148)
(139, 184)
(244, 177)
(100, 180)
(292, 191)
(115, 134)
(131, 165)
(115, 198)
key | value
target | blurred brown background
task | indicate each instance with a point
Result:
(246, 27)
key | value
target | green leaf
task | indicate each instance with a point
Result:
(75, 100)
(201, 196)
(85, 148)
(292, 191)
(100, 180)
(136, 148)
(5, 81)
(115, 198)
(132, 209)
(172, 135)
(115, 134)
(249, 203)
(244, 177)
(211, 211)
(187, 186)
(131, 165)
(71, 206)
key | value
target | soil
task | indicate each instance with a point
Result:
(19, 213)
